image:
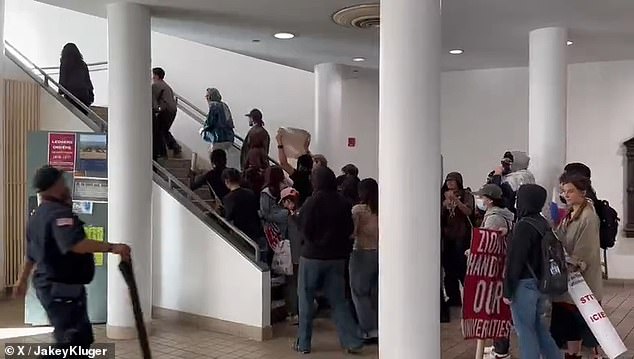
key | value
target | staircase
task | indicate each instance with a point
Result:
(173, 175)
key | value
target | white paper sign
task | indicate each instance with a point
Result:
(595, 317)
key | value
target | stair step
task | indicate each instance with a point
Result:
(101, 112)
(177, 163)
(181, 173)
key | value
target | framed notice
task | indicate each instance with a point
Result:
(93, 153)
(90, 189)
(484, 313)
(62, 150)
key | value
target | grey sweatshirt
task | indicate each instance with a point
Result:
(496, 218)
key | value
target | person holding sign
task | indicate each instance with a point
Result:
(521, 287)
(579, 233)
(497, 217)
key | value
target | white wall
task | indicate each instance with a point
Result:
(484, 113)
(600, 119)
(284, 94)
(360, 108)
(195, 271)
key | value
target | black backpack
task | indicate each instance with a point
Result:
(609, 226)
(554, 270)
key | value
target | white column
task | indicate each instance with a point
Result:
(2, 157)
(129, 160)
(548, 81)
(409, 179)
(329, 79)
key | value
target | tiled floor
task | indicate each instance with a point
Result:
(170, 340)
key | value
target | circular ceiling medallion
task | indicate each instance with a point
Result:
(364, 16)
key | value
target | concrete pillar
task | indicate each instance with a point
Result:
(548, 82)
(329, 80)
(409, 127)
(129, 160)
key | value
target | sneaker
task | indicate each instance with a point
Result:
(493, 355)
(295, 347)
(355, 351)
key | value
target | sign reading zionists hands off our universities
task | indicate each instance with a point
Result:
(484, 314)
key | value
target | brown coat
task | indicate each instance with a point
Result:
(257, 139)
(580, 238)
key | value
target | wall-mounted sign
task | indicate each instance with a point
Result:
(352, 142)
(62, 150)
(82, 207)
(90, 189)
(93, 154)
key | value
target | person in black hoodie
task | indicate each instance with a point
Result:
(327, 225)
(521, 287)
(75, 77)
(456, 223)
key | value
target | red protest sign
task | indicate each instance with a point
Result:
(484, 314)
(61, 151)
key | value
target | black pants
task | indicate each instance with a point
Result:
(68, 314)
(454, 263)
(162, 138)
(167, 119)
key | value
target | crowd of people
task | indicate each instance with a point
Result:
(510, 202)
(332, 225)
(330, 221)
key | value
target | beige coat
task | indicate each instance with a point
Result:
(581, 241)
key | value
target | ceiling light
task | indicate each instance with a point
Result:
(358, 59)
(569, 42)
(284, 35)
(456, 51)
(255, 40)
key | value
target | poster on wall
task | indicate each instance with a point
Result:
(62, 150)
(91, 189)
(95, 234)
(484, 313)
(82, 207)
(93, 153)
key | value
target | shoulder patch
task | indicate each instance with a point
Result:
(64, 222)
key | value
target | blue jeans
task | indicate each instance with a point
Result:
(534, 337)
(328, 276)
(364, 280)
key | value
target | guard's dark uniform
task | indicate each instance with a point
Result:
(59, 277)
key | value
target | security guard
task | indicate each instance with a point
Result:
(57, 248)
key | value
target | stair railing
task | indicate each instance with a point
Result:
(96, 123)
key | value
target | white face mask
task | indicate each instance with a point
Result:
(481, 204)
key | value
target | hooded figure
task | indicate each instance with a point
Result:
(218, 127)
(515, 174)
(326, 219)
(456, 227)
(524, 272)
(525, 243)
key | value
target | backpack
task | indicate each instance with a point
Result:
(554, 279)
(609, 226)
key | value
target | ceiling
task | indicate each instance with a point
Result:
(493, 33)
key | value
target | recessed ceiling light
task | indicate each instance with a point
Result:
(255, 40)
(284, 35)
(358, 59)
(456, 51)
(569, 42)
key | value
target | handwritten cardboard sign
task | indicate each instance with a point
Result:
(485, 316)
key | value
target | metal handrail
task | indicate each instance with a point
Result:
(100, 63)
(46, 82)
(192, 196)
